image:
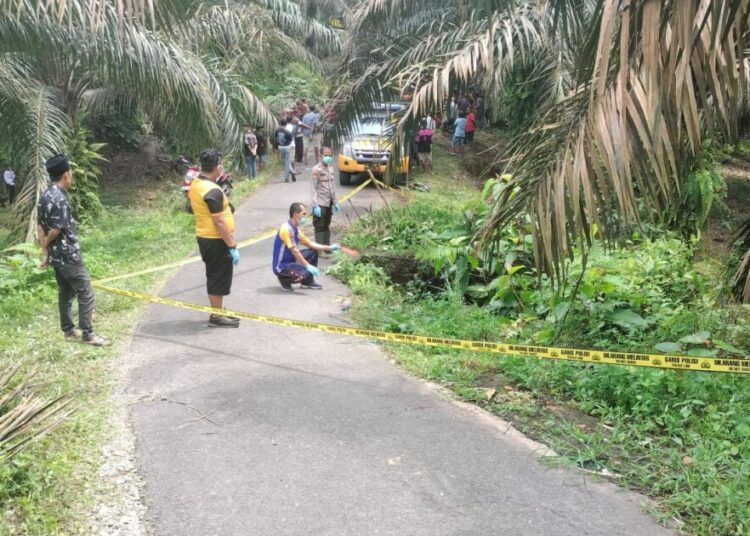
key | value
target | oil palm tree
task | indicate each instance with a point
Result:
(630, 91)
(180, 61)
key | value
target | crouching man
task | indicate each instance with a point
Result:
(290, 264)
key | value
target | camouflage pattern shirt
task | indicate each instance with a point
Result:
(53, 212)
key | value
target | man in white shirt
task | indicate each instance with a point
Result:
(9, 178)
(310, 120)
(293, 149)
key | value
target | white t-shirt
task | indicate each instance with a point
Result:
(290, 128)
(430, 122)
(9, 177)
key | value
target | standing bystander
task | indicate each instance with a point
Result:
(214, 228)
(302, 107)
(299, 140)
(324, 200)
(459, 134)
(9, 178)
(284, 140)
(311, 119)
(424, 146)
(262, 152)
(290, 127)
(471, 126)
(58, 238)
(479, 110)
(251, 151)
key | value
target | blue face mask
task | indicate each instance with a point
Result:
(302, 221)
(328, 160)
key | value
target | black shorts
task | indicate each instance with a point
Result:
(219, 268)
(470, 137)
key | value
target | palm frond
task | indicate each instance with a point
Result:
(443, 55)
(92, 14)
(190, 94)
(34, 126)
(297, 19)
(25, 415)
(665, 76)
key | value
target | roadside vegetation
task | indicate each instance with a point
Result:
(150, 81)
(682, 438)
(602, 218)
(605, 206)
(49, 487)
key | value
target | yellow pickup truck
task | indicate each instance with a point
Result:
(369, 147)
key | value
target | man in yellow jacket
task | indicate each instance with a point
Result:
(214, 228)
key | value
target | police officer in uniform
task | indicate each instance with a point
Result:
(324, 199)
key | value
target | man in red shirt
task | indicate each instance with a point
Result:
(471, 125)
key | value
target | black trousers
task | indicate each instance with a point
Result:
(11, 193)
(73, 281)
(322, 225)
(299, 149)
(296, 272)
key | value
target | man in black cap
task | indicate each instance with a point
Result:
(58, 238)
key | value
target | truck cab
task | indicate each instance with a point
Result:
(370, 145)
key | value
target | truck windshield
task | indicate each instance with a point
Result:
(370, 126)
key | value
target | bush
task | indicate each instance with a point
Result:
(681, 436)
(85, 157)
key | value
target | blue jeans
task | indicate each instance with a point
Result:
(250, 164)
(286, 157)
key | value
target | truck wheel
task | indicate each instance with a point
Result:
(345, 179)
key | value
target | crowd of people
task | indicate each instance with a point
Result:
(298, 132)
(462, 116)
(294, 255)
(466, 113)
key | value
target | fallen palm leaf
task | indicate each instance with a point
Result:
(25, 414)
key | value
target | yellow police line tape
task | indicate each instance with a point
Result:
(673, 362)
(670, 362)
(250, 241)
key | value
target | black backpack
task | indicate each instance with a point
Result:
(283, 138)
(424, 143)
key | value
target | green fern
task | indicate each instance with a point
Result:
(704, 191)
(85, 157)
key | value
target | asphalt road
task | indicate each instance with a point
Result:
(264, 431)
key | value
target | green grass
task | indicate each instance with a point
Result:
(5, 220)
(47, 489)
(682, 438)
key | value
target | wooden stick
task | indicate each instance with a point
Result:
(380, 191)
(354, 208)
